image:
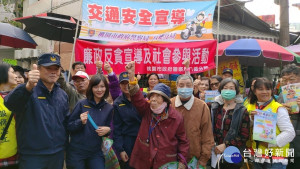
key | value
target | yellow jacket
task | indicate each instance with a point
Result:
(273, 106)
(8, 146)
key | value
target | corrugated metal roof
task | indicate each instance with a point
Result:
(232, 31)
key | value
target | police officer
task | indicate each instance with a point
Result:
(41, 108)
(126, 123)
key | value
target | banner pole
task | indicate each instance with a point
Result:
(218, 29)
(75, 38)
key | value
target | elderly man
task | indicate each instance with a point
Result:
(291, 74)
(40, 107)
(81, 82)
(77, 66)
(197, 121)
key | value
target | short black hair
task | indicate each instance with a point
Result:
(4, 68)
(26, 70)
(148, 77)
(228, 80)
(290, 68)
(219, 78)
(205, 78)
(77, 63)
(95, 80)
(262, 81)
(20, 70)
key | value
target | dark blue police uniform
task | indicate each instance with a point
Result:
(85, 145)
(40, 125)
(126, 123)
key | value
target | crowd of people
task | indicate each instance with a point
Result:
(46, 121)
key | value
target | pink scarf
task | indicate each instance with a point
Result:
(160, 109)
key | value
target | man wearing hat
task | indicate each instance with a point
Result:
(227, 73)
(81, 82)
(161, 138)
(126, 123)
(40, 107)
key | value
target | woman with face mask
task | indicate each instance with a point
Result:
(230, 120)
(161, 138)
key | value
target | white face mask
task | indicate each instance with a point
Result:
(185, 92)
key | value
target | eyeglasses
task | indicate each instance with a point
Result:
(214, 84)
(292, 80)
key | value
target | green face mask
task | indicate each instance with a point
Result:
(228, 94)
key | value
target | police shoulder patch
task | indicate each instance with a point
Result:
(86, 106)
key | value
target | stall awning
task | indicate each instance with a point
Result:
(233, 31)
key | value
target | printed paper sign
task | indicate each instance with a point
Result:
(210, 95)
(290, 94)
(264, 126)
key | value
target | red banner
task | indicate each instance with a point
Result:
(164, 58)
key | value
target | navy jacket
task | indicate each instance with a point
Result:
(84, 137)
(40, 118)
(126, 123)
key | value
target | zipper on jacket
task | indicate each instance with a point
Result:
(223, 120)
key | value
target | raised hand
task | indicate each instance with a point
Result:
(130, 68)
(197, 83)
(84, 117)
(186, 63)
(288, 107)
(33, 77)
(107, 67)
(99, 64)
(138, 77)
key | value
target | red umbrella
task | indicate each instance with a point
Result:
(15, 37)
(257, 49)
